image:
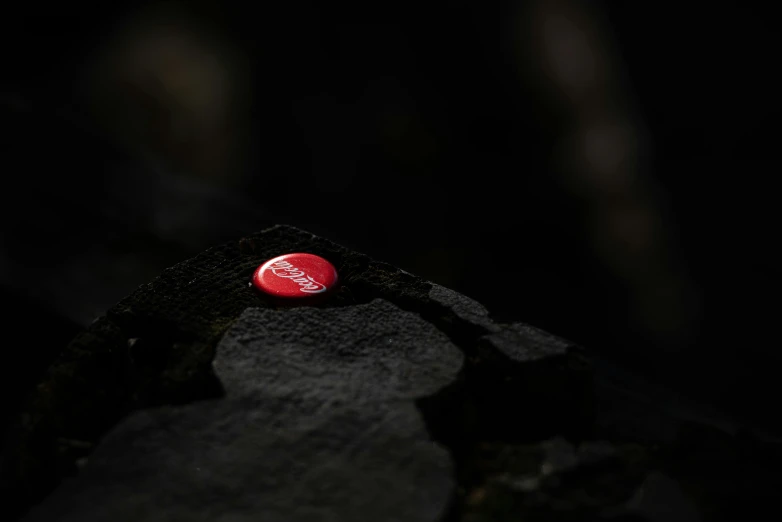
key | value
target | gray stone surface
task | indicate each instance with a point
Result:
(360, 354)
(463, 308)
(318, 424)
(276, 458)
(521, 343)
(397, 399)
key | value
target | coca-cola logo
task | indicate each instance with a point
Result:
(306, 283)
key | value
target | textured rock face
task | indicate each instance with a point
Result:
(354, 395)
(318, 423)
(397, 399)
(359, 354)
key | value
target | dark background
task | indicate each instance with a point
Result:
(602, 170)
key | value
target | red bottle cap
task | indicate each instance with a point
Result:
(295, 276)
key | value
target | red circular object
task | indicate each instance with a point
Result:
(296, 276)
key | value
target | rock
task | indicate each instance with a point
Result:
(553, 480)
(548, 379)
(195, 398)
(464, 311)
(318, 423)
(356, 354)
(387, 341)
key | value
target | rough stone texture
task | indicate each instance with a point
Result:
(359, 354)
(315, 426)
(156, 347)
(196, 399)
(278, 460)
(327, 393)
(467, 312)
